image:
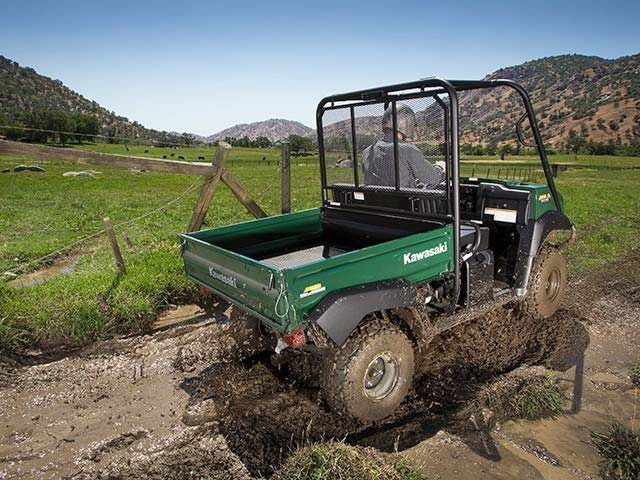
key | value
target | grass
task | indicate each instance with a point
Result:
(620, 448)
(192, 154)
(339, 461)
(42, 212)
(525, 393)
(608, 161)
(539, 398)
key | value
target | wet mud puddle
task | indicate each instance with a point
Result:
(190, 401)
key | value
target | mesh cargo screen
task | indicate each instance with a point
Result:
(359, 146)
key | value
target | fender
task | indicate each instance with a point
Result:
(339, 313)
(532, 236)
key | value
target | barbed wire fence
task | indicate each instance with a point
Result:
(100, 232)
(109, 138)
(471, 169)
(212, 173)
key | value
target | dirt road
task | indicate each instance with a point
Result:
(185, 403)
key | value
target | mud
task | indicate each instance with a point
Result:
(190, 401)
(61, 267)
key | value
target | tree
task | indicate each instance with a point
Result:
(59, 122)
(300, 144)
(575, 142)
(466, 148)
(477, 150)
(506, 149)
(111, 136)
(86, 126)
(187, 138)
(262, 142)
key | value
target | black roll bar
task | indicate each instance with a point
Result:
(447, 149)
(437, 86)
(354, 145)
(376, 95)
(323, 165)
(396, 155)
(536, 135)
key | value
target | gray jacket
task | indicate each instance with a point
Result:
(415, 170)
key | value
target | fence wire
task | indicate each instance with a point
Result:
(96, 234)
(125, 140)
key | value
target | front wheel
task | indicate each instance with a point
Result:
(371, 373)
(547, 284)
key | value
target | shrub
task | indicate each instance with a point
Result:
(620, 447)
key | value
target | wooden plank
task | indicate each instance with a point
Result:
(285, 179)
(209, 187)
(55, 154)
(114, 245)
(242, 195)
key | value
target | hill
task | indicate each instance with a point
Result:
(593, 97)
(596, 98)
(274, 129)
(24, 91)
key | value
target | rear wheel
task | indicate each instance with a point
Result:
(371, 373)
(547, 284)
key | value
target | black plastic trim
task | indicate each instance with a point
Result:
(532, 236)
(339, 313)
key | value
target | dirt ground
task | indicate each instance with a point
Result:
(186, 402)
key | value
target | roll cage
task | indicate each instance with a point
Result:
(444, 94)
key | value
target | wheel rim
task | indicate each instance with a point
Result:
(381, 376)
(552, 288)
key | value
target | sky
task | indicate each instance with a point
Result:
(201, 66)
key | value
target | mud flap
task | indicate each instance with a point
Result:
(339, 313)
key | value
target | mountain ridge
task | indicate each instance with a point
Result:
(24, 91)
(572, 94)
(593, 97)
(274, 129)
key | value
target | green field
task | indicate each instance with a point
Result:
(192, 154)
(42, 212)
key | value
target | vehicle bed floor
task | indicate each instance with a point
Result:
(303, 256)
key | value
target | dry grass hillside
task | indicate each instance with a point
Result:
(596, 98)
(24, 91)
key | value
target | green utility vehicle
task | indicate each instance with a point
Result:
(401, 248)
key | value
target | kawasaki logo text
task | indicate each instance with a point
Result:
(226, 279)
(429, 252)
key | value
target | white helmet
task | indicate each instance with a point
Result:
(405, 120)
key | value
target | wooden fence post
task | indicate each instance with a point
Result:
(285, 179)
(213, 172)
(209, 186)
(242, 195)
(114, 245)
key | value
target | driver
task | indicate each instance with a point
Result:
(415, 170)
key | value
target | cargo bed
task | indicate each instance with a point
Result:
(279, 268)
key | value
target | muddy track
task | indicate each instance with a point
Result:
(191, 402)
